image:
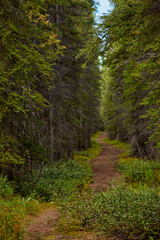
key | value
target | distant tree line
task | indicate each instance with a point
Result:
(130, 85)
(48, 101)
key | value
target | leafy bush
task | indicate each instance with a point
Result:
(12, 211)
(131, 213)
(10, 226)
(60, 181)
(5, 189)
(140, 171)
(122, 211)
(81, 210)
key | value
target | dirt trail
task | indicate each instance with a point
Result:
(104, 164)
(42, 227)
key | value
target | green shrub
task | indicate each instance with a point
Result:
(60, 181)
(10, 226)
(5, 189)
(81, 210)
(122, 211)
(131, 213)
(140, 171)
(12, 211)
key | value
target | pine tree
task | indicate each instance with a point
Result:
(130, 46)
(48, 101)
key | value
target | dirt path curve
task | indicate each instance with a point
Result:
(42, 226)
(104, 164)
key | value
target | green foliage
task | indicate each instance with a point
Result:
(88, 154)
(10, 226)
(6, 190)
(64, 179)
(12, 210)
(45, 98)
(57, 182)
(25, 64)
(129, 38)
(9, 153)
(129, 210)
(121, 211)
(43, 89)
(140, 171)
(124, 146)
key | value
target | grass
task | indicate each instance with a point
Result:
(140, 171)
(90, 153)
(124, 146)
(12, 211)
(58, 182)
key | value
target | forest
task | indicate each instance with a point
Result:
(64, 76)
(130, 86)
(48, 101)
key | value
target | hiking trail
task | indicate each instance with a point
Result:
(43, 226)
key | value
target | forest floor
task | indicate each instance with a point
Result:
(104, 164)
(44, 225)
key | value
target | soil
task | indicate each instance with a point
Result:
(104, 165)
(43, 226)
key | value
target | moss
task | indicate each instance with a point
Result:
(90, 153)
(118, 144)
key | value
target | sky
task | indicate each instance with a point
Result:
(104, 7)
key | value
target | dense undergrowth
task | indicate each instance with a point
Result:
(122, 211)
(59, 183)
(129, 209)
(13, 208)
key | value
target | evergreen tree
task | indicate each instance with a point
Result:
(46, 95)
(130, 47)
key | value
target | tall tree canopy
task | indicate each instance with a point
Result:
(130, 45)
(48, 102)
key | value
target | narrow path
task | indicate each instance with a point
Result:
(104, 164)
(42, 227)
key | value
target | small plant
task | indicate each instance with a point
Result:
(122, 211)
(59, 182)
(140, 171)
(5, 188)
(12, 212)
(10, 226)
(80, 211)
(64, 179)
(124, 146)
(88, 154)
